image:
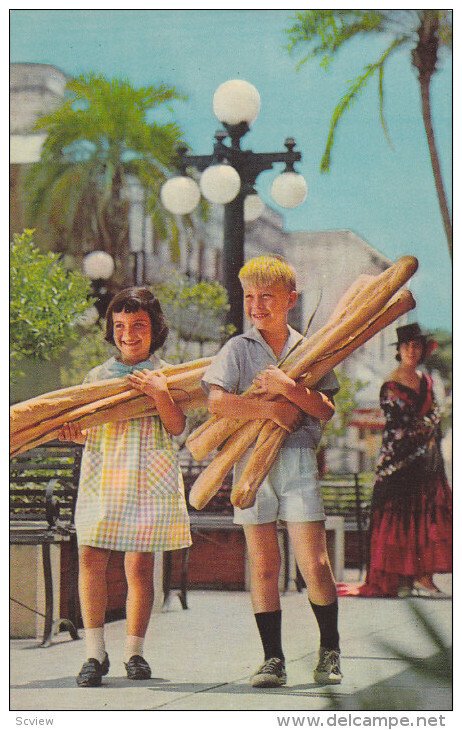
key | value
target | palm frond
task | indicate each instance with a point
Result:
(354, 90)
(326, 31)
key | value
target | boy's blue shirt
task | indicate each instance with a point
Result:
(243, 357)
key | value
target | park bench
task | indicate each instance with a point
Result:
(43, 489)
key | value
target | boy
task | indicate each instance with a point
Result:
(291, 491)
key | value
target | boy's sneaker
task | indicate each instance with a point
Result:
(92, 671)
(328, 669)
(272, 673)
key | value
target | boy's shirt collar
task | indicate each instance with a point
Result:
(292, 339)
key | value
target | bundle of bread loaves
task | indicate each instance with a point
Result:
(371, 304)
(38, 420)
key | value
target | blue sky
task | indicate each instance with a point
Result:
(385, 195)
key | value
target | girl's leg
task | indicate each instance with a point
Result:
(93, 600)
(92, 585)
(139, 570)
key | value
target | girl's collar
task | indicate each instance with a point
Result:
(119, 368)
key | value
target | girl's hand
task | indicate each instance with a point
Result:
(72, 432)
(272, 381)
(149, 382)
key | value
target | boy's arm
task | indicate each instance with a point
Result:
(230, 405)
(275, 382)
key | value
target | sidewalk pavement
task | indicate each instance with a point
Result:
(202, 659)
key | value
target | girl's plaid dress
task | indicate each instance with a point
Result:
(131, 493)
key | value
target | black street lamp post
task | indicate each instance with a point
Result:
(242, 167)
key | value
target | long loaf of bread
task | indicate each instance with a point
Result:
(39, 419)
(364, 298)
(270, 436)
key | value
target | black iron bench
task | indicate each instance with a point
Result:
(43, 490)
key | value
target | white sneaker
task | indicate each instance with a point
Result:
(328, 669)
(272, 673)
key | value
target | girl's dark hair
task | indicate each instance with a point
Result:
(424, 350)
(132, 300)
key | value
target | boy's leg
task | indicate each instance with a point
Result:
(139, 570)
(310, 549)
(265, 563)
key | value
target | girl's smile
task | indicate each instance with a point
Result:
(132, 335)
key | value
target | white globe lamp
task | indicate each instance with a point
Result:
(236, 101)
(220, 183)
(180, 195)
(89, 317)
(289, 189)
(98, 265)
(253, 207)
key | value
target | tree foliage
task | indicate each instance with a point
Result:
(45, 301)
(441, 359)
(90, 350)
(196, 313)
(424, 33)
(96, 140)
(345, 404)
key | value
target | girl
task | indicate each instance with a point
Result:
(131, 495)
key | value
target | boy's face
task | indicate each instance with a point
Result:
(132, 335)
(267, 306)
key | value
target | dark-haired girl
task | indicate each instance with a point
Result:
(131, 495)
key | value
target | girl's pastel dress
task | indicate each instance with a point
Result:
(131, 492)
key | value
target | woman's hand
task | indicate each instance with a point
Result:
(72, 432)
(150, 382)
(272, 381)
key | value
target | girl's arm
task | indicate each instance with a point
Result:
(72, 432)
(275, 382)
(154, 384)
(229, 405)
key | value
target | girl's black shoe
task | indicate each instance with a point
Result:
(137, 668)
(92, 671)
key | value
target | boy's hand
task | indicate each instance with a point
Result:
(149, 382)
(272, 381)
(286, 414)
(71, 432)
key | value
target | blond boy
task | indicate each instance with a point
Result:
(291, 490)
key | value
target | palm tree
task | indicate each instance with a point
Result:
(424, 32)
(96, 142)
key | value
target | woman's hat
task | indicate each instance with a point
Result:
(409, 332)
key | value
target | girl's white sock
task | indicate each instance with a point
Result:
(133, 645)
(94, 643)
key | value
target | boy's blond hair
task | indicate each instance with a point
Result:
(269, 269)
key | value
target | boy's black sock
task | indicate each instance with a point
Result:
(269, 626)
(327, 618)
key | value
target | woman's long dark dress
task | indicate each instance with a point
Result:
(411, 510)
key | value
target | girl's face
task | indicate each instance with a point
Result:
(411, 352)
(132, 335)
